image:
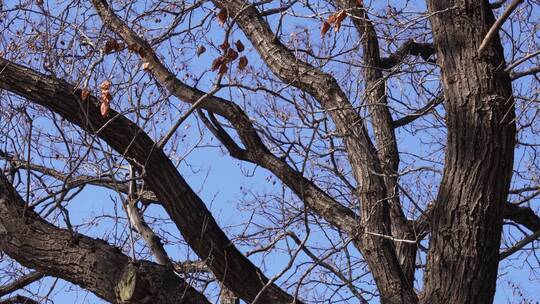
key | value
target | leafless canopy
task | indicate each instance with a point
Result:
(290, 151)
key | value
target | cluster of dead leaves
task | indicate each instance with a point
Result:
(105, 98)
(333, 20)
(220, 64)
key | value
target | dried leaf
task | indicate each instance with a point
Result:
(110, 46)
(332, 18)
(222, 17)
(217, 63)
(225, 46)
(141, 52)
(120, 46)
(85, 93)
(231, 55)
(39, 2)
(105, 85)
(340, 16)
(105, 97)
(239, 46)
(200, 50)
(146, 66)
(223, 69)
(324, 28)
(242, 63)
(104, 109)
(134, 48)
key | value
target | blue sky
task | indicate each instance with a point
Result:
(222, 183)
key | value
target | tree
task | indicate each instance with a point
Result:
(387, 133)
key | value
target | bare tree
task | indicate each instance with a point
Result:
(397, 140)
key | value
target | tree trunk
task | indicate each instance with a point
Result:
(467, 220)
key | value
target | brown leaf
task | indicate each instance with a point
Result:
(85, 93)
(217, 63)
(222, 17)
(340, 16)
(105, 85)
(104, 109)
(39, 2)
(146, 66)
(324, 28)
(225, 46)
(105, 97)
(141, 52)
(134, 48)
(110, 46)
(200, 50)
(332, 18)
(120, 46)
(223, 69)
(239, 46)
(242, 63)
(231, 55)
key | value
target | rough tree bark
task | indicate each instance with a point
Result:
(91, 263)
(466, 222)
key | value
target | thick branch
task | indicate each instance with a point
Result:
(385, 138)
(532, 71)
(410, 47)
(522, 215)
(91, 263)
(362, 154)
(497, 25)
(186, 209)
(18, 299)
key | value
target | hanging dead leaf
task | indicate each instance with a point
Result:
(222, 17)
(223, 69)
(340, 16)
(332, 18)
(85, 93)
(231, 55)
(104, 109)
(146, 66)
(225, 46)
(105, 97)
(242, 63)
(217, 63)
(134, 48)
(200, 50)
(120, 47)
(324, 28)
(239, 46)
(105, 85)
(110, 46)
(39, 2)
